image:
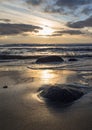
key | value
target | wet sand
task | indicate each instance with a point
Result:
(21, 109)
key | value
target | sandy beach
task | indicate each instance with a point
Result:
(21, 109)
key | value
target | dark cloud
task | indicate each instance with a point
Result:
(72, 3)
(70, 32)
(87, 11)
(34, 2)
(55, 9)
(5, 20)
(64, 7)
(14, 29)
(50, 9)
(81, 24)
(68, 3)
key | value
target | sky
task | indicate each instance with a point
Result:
(45, 21)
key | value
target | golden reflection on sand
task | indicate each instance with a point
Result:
(48, 76)
(54, 76)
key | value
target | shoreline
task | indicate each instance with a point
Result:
(21, 57)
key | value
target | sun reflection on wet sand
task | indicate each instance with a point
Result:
(54, 76)
(48, 76)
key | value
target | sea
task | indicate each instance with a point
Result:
(27, 54)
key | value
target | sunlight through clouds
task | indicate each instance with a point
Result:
(46, 31)
(59, 19)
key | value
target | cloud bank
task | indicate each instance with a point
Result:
(5, 20)
(81, 24)
(59, 6)
(14, 29)
(72, 3)
(34, 2)
(70, 32)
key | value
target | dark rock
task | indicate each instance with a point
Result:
(5, 86)
(48, 59)
(60, 94)
(72, 59)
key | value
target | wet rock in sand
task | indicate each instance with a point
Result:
(49, 59)
(60, 94)
(72, 59)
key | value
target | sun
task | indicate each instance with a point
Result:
(46, 31)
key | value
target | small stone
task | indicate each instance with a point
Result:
(5, 86)
(72, 59)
